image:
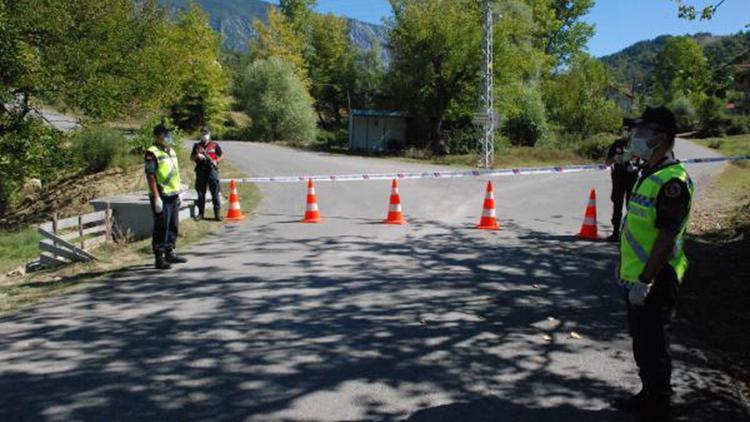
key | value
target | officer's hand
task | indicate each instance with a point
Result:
(638, 293)
(180, 199)
(158, 205)
(201, 157)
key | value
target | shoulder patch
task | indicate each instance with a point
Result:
(672, 190)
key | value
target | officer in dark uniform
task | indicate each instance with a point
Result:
(624, 176)
(163, 176)
(207, 155)
(652, 258)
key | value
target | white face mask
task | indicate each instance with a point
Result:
(168, 139)
(205, 138)
(643, 142)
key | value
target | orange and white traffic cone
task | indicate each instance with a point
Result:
(589, 229)
(234, 213)
(489, 220)
(312, 214)
(395, 213)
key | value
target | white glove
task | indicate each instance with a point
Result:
(180, 199)
(158, 205)
(201, 157)
(638, 293)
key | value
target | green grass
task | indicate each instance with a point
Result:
(18, 248)
(730, 145)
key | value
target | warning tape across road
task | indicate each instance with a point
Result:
(458, 174)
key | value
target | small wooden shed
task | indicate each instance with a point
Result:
(376, 130)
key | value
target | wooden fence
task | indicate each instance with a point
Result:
(69, 240)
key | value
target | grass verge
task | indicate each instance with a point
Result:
(21, 292)
(17, 248)
(716, 293)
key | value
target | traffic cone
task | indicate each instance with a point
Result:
(234, 213)
(395, 214)
(312, 215)
(589, 228)
(489, 221)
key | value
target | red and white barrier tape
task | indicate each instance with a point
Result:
(458, 174)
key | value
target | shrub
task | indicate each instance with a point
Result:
(461, 139)
(712, 122)
(527, 125)
(277, 101)
(685, 114)
(98, 148)
(739, 125)
(595, 147)
(715, 144)
(332, 140)
(30, 149)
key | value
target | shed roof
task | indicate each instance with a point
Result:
(377, 113)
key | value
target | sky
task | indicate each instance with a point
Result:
(619, 23)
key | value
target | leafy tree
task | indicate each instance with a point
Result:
(681, 70)
(330, 67)
(435, 57)
(559, 31)
(204, 81)
(277, 101)
(690, 12)
(278, 38)
(367, 76)
(577, 101)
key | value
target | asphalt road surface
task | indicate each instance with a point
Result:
(352, 319)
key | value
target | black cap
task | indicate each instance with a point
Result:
(661, 117)
(160, 129)
(205, 130)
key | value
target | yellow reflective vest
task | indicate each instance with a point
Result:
(639, 230)
(167, 170)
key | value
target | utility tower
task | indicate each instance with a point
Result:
(486, 118)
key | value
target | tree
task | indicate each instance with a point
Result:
(277, 102)
(559, 32)
(204, 81)
(681, 70)
(435, 56)
(690, 12)
(366, 76)
(330, 67)
(576, 99)
(278, 38)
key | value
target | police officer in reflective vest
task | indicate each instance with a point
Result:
(163, 176)
(207, 155)
(652, 261)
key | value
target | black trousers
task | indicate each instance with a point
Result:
(208, 180)
(649, 325)
(622, 187)
(166, 226)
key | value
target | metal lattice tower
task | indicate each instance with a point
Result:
(486, 113)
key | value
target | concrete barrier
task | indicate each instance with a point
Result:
(132, 216)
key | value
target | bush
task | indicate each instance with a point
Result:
(529, 125)
(595, 147)
(144, 137)
(685, 114)
(712, 122)
(715, 144)
(98, 148)
(277, 101)
(461, 139)
(739, 125)
(30, 149)
(332, 140)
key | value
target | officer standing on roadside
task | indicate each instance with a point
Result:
(624, 176)
(163, 176)
(652, 258)
(207, 155)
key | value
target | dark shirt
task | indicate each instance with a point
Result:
(672, 202)
(205, 166)
(626, 169)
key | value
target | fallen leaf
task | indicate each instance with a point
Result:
(547, 337)
(536, 286)
(575, 335)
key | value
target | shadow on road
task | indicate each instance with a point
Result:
(451, 323)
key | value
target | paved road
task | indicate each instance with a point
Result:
(351, 319)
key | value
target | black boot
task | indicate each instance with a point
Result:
(636, 403)
(614, 237)
(173, 258)
(217, 215)
(161, 263)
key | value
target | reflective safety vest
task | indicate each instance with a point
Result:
(168, 170)
(639, 230)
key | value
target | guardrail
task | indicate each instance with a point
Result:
(69, 240)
